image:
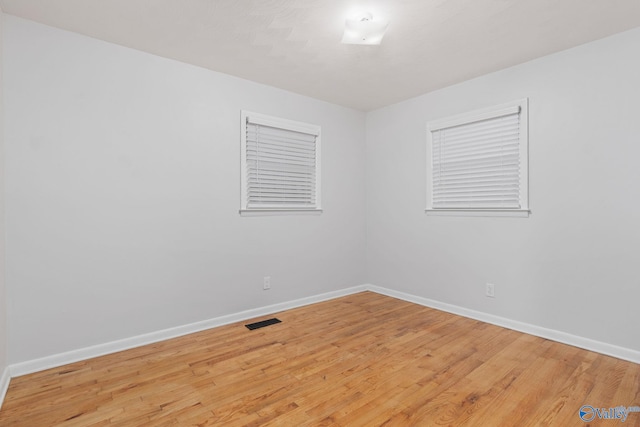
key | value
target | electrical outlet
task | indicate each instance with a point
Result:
(266, 284)
(491, 291)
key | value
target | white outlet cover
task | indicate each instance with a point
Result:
(490, 290)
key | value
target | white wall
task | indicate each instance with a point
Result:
(122, 197)
(572, 265)
(3, 300)
(123, 182)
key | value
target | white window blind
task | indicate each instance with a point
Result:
(479, 161)
(280, 164)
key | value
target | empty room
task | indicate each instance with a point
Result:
(319, 213)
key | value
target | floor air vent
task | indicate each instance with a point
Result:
(262, 323)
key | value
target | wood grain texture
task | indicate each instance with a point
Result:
(360, 360)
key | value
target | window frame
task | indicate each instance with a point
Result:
(284, 124)
(468, 118)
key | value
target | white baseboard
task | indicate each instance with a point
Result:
(551, 334)
(61, 359)
(4, 384)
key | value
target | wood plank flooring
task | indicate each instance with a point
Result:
(360, 360)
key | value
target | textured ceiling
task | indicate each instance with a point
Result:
(295, 44)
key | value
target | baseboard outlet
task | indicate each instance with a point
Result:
(4, 384)
(56, 360)
(527, 328)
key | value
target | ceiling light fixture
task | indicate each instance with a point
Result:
(364, 30)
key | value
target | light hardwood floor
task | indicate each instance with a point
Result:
(360, 360)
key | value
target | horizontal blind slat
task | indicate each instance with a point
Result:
(484, 168)
(282, 144)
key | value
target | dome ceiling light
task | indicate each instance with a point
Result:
(364, 30)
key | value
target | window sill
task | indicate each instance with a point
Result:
(272, 212)
(519, 213)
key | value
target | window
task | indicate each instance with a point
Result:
(280, 164)
(477, 162)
